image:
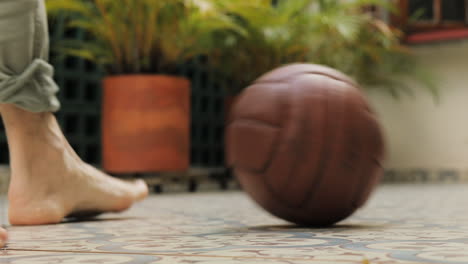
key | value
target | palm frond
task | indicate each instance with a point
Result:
(244, 38)
(146, 35)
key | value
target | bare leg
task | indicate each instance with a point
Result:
(49, 181)
(3, 237)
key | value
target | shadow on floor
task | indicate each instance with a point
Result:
(301, 228)
(95, 218)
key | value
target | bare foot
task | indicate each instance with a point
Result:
(49, 181)
(3, 237)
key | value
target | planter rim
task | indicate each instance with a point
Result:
(168, 76)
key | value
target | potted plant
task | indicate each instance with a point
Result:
(140, 44)
(365, 47)
(335, 33)
(271, 36)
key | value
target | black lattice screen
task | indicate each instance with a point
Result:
(207, 115)
(80, 96)
(4, 157)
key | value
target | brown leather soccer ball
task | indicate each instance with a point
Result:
(305, 145)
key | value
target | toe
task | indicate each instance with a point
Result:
(134, 191)
(141, 189)
(3, 237)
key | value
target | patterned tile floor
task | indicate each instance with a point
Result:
(400, 224)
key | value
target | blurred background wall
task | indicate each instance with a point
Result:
(424, 136)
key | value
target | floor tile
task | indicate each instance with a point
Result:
(51, 257)
(400, 224)
(42, 257)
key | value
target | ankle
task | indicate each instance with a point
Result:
(17, 117)
(26, 129)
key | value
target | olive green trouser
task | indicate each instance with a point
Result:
(25, 75)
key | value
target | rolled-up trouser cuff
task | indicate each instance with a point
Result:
(26, 78)
(33, 90)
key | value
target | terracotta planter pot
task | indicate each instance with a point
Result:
(145, 123)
